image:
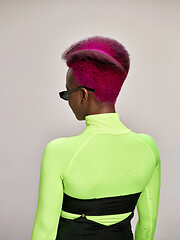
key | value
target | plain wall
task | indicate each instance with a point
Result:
(33, 36)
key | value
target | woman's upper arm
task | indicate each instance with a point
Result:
(50, 197)
(148, 202)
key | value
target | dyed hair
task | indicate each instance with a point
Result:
(100, 63)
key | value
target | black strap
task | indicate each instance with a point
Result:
(100, 206)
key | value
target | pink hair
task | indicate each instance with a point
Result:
(100, 63)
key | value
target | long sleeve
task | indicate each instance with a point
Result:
(148, 202)
(49, 199)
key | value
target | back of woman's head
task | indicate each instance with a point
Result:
(100, 63)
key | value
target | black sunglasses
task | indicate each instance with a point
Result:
(65, 94)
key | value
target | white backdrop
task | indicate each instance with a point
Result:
(33, 36)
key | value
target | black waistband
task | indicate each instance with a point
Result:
(100, 206)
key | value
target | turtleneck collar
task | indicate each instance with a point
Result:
(105, 123)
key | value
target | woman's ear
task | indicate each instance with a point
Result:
(84, 95)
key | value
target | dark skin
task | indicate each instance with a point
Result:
(82, 102)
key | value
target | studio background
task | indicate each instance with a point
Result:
(33, 36)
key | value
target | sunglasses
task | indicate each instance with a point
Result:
(65, 94)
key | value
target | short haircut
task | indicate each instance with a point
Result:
(100, 63)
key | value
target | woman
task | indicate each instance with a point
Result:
(91, 183)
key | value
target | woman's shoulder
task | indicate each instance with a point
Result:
(66, 143)
(60, 151)
(150, 142)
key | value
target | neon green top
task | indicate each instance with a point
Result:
(106, 159)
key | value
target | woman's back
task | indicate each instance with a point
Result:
(106, 160)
